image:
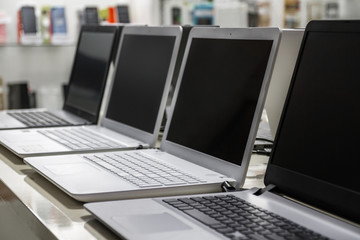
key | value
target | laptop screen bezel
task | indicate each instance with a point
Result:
(229, 169)
(312, 191)
(93, 118)
(145, 137)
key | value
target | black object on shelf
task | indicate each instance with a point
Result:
(28, 19)
(123, 14)
(91, 16)
(18, 96)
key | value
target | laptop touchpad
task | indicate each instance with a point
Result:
(70, 168)
(151, 223)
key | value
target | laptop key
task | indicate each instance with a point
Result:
(274, 237)
(201, 217)
(258, 237)
(236, 235)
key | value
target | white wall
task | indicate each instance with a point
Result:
(45, 68)
(141, 11)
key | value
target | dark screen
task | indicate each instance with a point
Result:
(219, 92)
(89, 71)
(123, 14)
(319, 131)
(141, 73)
(28, 19)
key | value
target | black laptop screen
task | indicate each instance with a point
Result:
(320, 131)
(90, 71)
(315, 157)
(141, 74)
(219, 92)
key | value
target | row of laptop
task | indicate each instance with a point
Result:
(220, 78)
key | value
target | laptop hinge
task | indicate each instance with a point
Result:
(227, 187)
(265, 189)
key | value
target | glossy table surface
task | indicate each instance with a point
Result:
(33, 208)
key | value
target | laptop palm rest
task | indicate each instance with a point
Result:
(70, 168)
(150, 223)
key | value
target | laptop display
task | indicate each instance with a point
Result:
(142, 68)
(90, 66)
(318, 129)
(213, 67)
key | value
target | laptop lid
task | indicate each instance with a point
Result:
(219, 97)
(140, 86)
(281, 76)
(312, 160)
(94, 51)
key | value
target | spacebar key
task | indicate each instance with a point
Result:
(201, 217)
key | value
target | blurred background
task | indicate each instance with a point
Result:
(38, 37)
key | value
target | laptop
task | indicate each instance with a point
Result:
(278, 88)
(93, 56)
(208, 137)
(312, 189)
(135, 105)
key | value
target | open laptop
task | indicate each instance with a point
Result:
(310, 181)
(208, 137)
(93, 56)
(279, 84)
(135, 105)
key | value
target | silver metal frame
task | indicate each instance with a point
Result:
(130, 131)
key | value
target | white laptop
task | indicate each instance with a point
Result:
(210, 132)
(312, 185)
(135, 105)
(93, 56)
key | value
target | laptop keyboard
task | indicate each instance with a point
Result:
(38, 119)
(142, 170)
(80, 139)
(238, 219)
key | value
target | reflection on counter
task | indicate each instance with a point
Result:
(15, 215)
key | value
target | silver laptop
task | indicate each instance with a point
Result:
(278, 88)
(312, 186)
(93, 56)
(209, 135)
(135, 105)
(280, 80)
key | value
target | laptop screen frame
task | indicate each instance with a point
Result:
(93, 118)
(303, 187)
(229, 169)
(130, 131)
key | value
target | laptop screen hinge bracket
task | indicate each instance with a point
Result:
(266, 189)
(227, 187)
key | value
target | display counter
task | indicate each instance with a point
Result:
(33, 208)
